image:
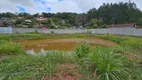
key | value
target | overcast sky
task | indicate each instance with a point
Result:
(38, 6)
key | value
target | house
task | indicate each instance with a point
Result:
(3, 23)
(20, 18)
(27, 23)
(42, 19)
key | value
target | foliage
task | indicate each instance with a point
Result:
(52, 32)
(94, 23)
(4, 37)
(139, 22)
(104, 26)
(10, 48)
(105, 65)
(109, 13)
(102, 63)
(124, 41)
(82, 49)
(32, 67)
(120, 13)
(34, 36)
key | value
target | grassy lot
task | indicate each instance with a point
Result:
(123, 62)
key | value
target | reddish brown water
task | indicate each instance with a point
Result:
(64, 44)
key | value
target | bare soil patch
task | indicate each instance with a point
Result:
(65, 72)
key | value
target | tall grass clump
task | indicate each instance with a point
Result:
(105, 65)
(82, 49)
(10, 48)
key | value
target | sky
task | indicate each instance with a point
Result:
(54, 6)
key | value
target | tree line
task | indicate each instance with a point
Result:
(106, 14)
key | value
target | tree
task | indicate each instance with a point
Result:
(139, 21)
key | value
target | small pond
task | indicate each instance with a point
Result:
(64, 44)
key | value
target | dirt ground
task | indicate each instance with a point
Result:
(65, 72)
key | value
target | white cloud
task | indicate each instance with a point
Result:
(78, 6)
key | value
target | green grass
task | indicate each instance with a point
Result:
(105, 65)
(131, 42)
(108, 63)
(82, 49)
(32, 67)
(10, 48)
(100, 63)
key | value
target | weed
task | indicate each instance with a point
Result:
(106, 65)
(9, 48)
(32, 67)
(82, 49)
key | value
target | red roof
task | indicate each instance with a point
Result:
(42, 19)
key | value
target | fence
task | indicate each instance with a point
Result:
(5, 30)
(119, 31)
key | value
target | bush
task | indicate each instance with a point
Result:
(52, 32)
(94, 26)
(105, 65)
(82, 49)
(104, 26)
(7, 48)
(139, 22)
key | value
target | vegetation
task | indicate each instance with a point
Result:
(139, 22)
(108, 13)
(130, 42)
(100, 63)
(10, 48)
(82, 49)
(32, 67)
(105, 65)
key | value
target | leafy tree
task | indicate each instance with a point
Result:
(139, 22)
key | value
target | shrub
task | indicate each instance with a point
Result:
(82, 49)
(139, 22)
(52, 32)
(104, 26)
(7, 48)
(106, 65)
(94, 26)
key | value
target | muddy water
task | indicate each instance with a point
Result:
(64, 44)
